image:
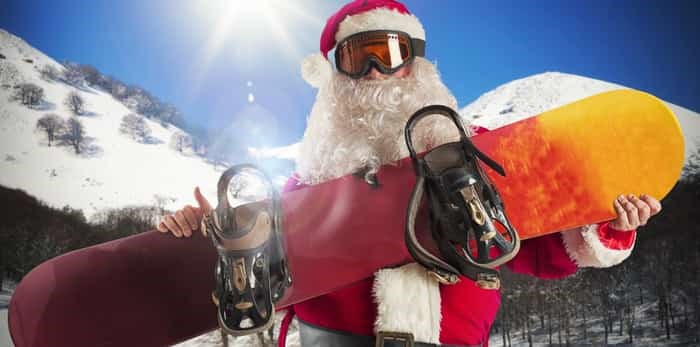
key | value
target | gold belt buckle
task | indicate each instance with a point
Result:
(405, 338)
(488, 281)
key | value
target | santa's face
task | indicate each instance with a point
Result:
(358, 124)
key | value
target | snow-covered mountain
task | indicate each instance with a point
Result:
(116, 171)
(535, 94)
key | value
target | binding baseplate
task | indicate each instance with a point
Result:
(251, 272)
(467, 219)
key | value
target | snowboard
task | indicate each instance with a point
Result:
(563, 169)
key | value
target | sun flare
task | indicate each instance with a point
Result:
(250, 29)
(245, 32)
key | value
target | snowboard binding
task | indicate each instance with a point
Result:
(466, 214)
(251, 271)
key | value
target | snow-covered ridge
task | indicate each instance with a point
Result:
(117, 171)
(14, 48)
(530, 96)
(17, 52)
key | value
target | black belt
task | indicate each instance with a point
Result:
(315, 336)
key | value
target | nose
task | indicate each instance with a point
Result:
(374, 74)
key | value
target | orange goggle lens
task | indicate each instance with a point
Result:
(388, 51)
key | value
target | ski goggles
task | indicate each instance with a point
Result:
(386, 50)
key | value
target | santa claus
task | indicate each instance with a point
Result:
(356, 125)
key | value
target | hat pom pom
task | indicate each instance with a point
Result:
(316, 70)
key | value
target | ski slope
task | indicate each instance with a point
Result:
(117, 171)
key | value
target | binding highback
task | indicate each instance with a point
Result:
(467, 218)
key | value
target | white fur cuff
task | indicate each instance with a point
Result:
(584, 247)
(408, 300)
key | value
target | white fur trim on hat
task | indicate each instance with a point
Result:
(408, 300)
(316, 70)
(380, 19)
(584, 247)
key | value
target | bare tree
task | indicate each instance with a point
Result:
(29, 94)
(167, 113)
(73, 75)
(52, 125)
(75, 103)
(106, 82)
(74, 135)
(119, 90)
(90, 74)
(49, 72)
(135, 127)
(139, 100)
(199, 146)
(180, 141)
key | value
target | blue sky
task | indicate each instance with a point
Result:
(190, 54)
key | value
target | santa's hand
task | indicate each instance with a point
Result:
(187, 219)
(633, 212)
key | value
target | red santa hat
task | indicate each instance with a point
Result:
(355, 17)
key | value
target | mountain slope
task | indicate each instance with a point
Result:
(116, 171)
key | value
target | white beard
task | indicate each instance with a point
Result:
(359, 124)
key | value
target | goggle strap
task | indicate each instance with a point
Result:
(418, 47)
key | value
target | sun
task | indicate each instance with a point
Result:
(250, 29)
(245, 32)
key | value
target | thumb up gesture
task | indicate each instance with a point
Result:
(187, 219)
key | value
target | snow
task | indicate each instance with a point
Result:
(5, 294)
(116, 172)
(5, 340)
(214, 339)
(16, 49)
